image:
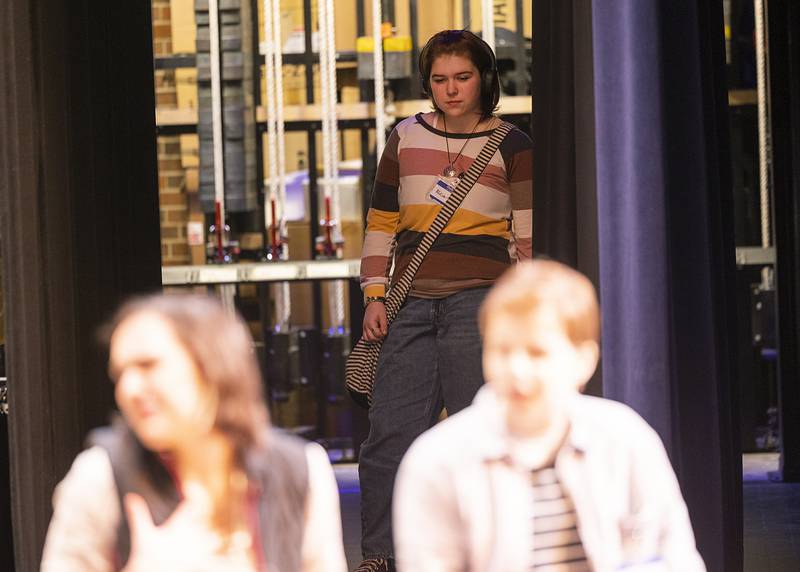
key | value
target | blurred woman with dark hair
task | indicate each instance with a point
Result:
(191, 477)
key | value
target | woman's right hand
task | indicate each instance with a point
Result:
(376, 324)
(181, 544)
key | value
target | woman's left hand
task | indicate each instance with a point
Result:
(376, 324)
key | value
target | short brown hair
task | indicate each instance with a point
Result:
(531, 285)
(221, 346)
(463, 43)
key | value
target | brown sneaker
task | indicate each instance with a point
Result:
(376, 565)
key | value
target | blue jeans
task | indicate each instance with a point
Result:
(431, 358)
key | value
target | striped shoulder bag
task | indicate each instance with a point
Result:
(363, 359)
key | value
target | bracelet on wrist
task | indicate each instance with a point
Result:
(369, 299)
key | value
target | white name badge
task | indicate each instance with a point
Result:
(441, 190)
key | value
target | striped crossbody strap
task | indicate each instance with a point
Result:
(399, 291)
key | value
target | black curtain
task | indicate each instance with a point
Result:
(79, 224)
(666, 246)
(562, 127)
(565, 213)
(784, 73)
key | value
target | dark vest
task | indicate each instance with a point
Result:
(280, 471)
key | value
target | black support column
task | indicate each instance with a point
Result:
(79, 222)
(784, 68)
(565, 213)
(562, 125)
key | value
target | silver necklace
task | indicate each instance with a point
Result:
(450, 170)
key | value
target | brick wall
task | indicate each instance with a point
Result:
(173, 199)
(173, 202)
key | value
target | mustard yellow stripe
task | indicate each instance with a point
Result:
(469, 223)
(382, 221)
(375, 290)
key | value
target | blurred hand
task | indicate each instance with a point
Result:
(376, 324)
(182, 543)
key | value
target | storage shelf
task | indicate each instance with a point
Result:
(292, 271)
(189, 60)
(289, 271)
(737, 97)
(185, 119)
(755, 256)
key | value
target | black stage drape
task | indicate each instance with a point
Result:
(667, 249)
(565, 198)
(784, 66)
(565, 213)
(79, 222)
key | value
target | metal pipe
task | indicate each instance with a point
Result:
(487, 17)
(380, 103)
(416, 86)
(257, 101)
(279, 120)
(216, 118)
(269, 75)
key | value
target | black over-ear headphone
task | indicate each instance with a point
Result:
(490, 80)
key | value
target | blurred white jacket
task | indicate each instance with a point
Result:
(462, 502)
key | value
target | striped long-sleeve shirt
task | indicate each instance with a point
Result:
(556, 542)
(491, 229)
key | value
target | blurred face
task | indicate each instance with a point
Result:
(158, 387)
(456, 85)
(531, 363)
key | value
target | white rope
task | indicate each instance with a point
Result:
(324, 78)
(281, 293)
(764, 147)
(273, 58)
(334, 124)
(227, 296)
(336, 212)
(216, 115)
(487, 17)
(338, 294)
(328, 87)
(281, 143)
(380, 103)
(269, 75)
(283, 299)
(330, 140)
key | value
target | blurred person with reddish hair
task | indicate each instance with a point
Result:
(534, 475)
(191, 477)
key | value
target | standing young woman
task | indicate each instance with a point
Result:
(191, 478)
(431, 355)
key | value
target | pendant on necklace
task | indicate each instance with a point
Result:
(450, 172)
